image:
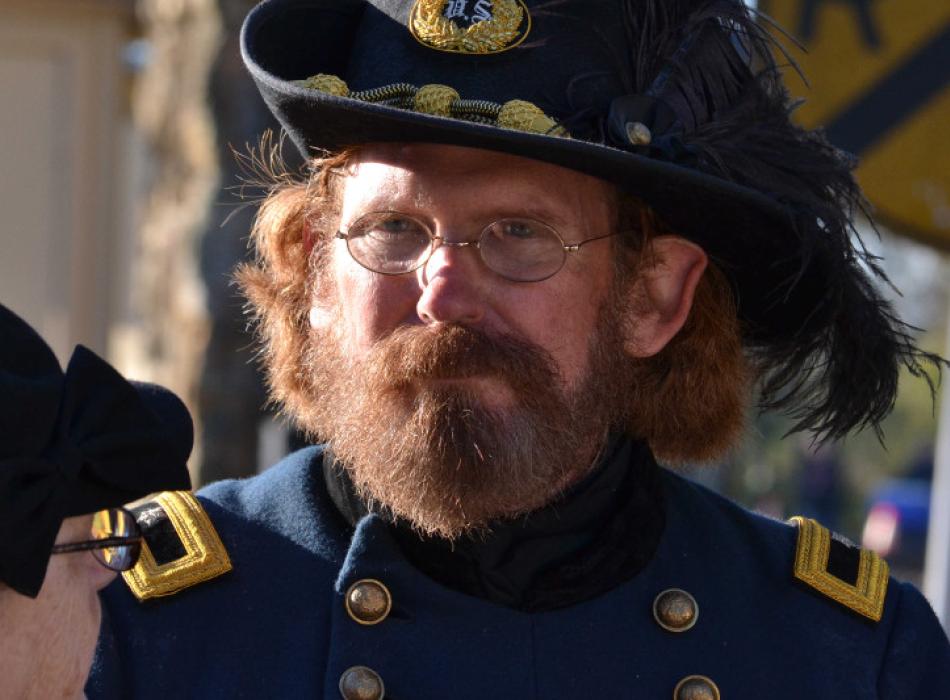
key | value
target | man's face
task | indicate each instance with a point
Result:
(458, 191)
(453, 395)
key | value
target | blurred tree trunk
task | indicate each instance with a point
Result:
(170, 112)
(194, 101)
(232, 397)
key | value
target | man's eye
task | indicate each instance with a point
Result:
(519, 230)
(396, 228)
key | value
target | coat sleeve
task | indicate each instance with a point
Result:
(917, 659)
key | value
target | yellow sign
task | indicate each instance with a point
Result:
(879, 84)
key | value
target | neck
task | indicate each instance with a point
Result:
(601, 530)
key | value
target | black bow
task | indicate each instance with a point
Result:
(663, 138)
(74, 443)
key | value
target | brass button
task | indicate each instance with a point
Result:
(675, 610)
(638, 133)
(361, 683)
(368, 601)
(696, 688)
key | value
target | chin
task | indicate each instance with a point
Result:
(492, 393)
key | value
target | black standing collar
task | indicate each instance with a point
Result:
(599, 534)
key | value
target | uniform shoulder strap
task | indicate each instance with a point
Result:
(180, 546)
(854, 577)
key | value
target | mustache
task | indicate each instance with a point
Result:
(412, 354)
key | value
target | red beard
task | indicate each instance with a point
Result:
(439, 455)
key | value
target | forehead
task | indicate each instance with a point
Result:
(425, 174)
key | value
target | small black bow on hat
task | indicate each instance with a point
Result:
(73, 443)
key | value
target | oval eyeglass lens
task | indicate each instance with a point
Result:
(388, 242)
(522, 249)
(110, 523)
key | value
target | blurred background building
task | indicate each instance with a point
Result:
(121, 226)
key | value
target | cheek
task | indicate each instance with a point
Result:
(563, 324)
(74, 638)
(64, 622)
(371, 305)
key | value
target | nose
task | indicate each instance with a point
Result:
(454, 285)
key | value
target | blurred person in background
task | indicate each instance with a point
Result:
(898, 513)
(821, 486)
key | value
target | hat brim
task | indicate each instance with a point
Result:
(747, 234)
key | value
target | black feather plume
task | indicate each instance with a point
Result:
(703, 75)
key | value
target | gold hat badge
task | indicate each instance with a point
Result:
(470, 26)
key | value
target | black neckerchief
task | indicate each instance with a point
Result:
(600, 533)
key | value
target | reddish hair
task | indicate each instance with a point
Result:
(688, 401)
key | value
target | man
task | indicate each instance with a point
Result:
(534, 252)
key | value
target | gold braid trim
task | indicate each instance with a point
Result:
(429, 26)
(205, 556)
(866, 597)
(444, 101)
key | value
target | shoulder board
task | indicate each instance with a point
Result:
(854, 577)
(180, 547)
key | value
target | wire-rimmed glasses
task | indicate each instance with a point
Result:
(518, 249)
(115, 540)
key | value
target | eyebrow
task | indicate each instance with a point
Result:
(531, 210)
(490, 213)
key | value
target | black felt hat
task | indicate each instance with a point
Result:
(679, 102)
(75, 442)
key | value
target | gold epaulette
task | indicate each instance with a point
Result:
(861, 589)
(180, 546)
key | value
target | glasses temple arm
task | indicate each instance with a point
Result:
(95, 544)
(574, 247)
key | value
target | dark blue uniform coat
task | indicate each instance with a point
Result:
(276, 625)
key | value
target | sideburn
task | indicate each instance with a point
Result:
(689, 400)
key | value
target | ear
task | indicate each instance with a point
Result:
(662, 294)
